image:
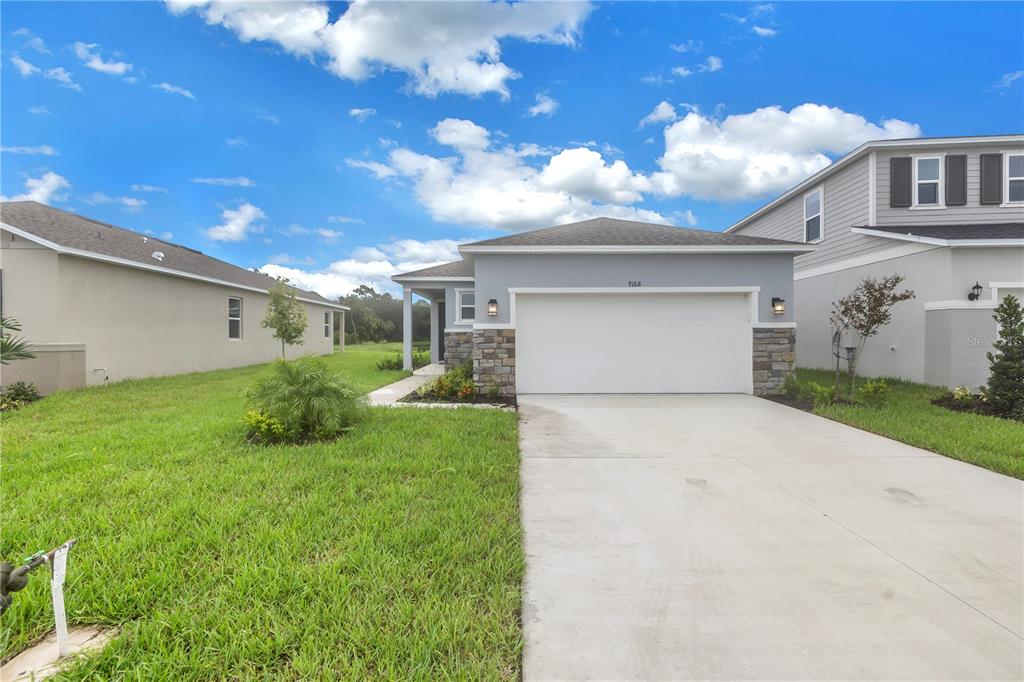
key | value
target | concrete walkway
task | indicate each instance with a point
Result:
(728, 537)
(390, 394)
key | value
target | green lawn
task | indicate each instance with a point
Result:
(393, 553)
(909, 416)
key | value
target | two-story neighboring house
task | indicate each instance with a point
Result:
(947, 213)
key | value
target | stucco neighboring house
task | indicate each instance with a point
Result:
(614, 306)
(947, 213)
(102, 303)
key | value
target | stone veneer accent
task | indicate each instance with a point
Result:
(774, 358)
(458, 348)
(494, 361)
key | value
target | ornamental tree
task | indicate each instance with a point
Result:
(1005, 390)
(865, 310)
(285, 315)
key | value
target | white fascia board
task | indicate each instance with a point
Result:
(413, 278)
(959, 305)
(114, 260)
(936, 241)
(768, 248)
(634, 290)
(859, 151)
(897, 251)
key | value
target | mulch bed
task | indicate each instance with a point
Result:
(805, 405)
(475, 400)
(974, 406)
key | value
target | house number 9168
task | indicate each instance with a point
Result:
(634, 283)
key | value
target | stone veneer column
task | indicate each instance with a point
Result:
(494, 361)
(774, 358)
(458, 348)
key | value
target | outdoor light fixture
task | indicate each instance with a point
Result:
(975, 292)
(779, 306)
(492, 308)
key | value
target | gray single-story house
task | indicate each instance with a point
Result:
(101, 303)
(614, 306)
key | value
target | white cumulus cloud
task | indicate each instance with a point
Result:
(362, 114)
(764, 151)
(43, 149)
(174, 90)
(62, 76)
(514, 187)
(545, 106)
(238, 181)
(25, 68)
(663, 112)
(87, 53)
(764, 31)
(42, 189)
(237, 223)
(442, 47)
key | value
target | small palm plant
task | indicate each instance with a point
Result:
(12, 347)
(301, 401)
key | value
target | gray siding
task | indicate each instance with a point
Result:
(846, 203)
(773, 272)
(972, 212)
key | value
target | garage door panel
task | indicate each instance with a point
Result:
(633, 343)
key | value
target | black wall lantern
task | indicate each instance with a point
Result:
(975, 292)
(492, 308)
(779, 306)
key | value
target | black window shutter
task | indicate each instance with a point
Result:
(991, 178)
(956, 180)
(899, 182)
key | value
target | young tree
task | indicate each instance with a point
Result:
(1005, 390)
(285, 315)
(864, 311)
(12, 347)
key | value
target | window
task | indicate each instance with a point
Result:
(928, 181)
(812, 216)
(466, 311)
(327, 325)
(234, 317)
(1014, 178)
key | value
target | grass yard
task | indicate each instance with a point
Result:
(909, 417)
(393, 553)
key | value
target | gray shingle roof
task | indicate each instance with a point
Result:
(459, 268)
(615, 232)
(72, 231)
(963, 231)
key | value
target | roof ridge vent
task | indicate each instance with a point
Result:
(159, 255)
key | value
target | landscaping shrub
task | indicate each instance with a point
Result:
(22, 392)
(792, 388)
(419, 359)
(455, 383)
(875, 392)
(962, 394)
(1005, 390)
(817, 394)
(301, 401)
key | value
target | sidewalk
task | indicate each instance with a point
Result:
(390, 394)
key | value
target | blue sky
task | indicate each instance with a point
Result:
(339, 144)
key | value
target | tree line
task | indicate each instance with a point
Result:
(375, 316)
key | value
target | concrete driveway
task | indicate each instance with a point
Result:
(729, 537)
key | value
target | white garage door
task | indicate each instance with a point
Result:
(633, 343)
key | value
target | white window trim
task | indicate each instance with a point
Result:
(820, 189)
(1006, 179)
(241, 314)
(941, 193)
(458, 306)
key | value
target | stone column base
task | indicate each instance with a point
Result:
(774, 359)
(458, 348)
(494, 361)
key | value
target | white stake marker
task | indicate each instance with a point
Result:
(60, 567)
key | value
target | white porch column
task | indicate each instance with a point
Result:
(434, 351)
(407, 328)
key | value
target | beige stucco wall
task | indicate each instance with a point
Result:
(137, 323)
